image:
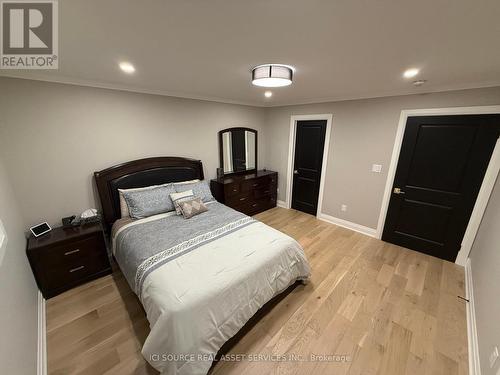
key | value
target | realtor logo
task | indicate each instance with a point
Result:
(29, 34)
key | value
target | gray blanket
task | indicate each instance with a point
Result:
(146, 245)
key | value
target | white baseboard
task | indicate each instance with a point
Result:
(474, 364)
(281, 204)
(348, 224)
(42, 337)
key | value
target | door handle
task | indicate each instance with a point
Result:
(295, 172)
(398, 191)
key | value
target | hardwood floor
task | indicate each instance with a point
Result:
(389, 309)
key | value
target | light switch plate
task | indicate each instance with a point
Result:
(377, 168)
(343, 207)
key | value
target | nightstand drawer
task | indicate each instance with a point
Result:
(71, 272)
(74, 251)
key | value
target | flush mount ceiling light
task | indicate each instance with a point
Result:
(272, 75)
(410, 73)
(268, 94)
(127, 67)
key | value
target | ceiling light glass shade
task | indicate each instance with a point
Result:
(272, 75)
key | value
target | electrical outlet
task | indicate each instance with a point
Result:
(377, 168)
(493, 356)
(343, 207)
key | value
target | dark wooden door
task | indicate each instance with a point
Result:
(309, 145)
(441, 167)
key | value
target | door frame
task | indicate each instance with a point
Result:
(291, 155)
(486, 186)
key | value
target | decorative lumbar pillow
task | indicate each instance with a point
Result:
(148, 202)
(177, 198)
(200, 189)
(192, 207)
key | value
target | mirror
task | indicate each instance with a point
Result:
(238, 150)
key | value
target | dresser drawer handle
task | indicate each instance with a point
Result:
(254, 185)
(72, 252)
(266, 191)
(254, 205)
(235, 190)
(76, 269)
(242, 199)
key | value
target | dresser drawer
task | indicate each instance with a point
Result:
(239, 199)
(231, 190)
(74, 251)
(264, 192)
(253, 184)
(257, 205)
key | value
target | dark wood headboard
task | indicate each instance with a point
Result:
(141, 173)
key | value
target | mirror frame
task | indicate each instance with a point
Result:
(221, 151)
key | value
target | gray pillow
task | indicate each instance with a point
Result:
(200, 189)
(144, 203)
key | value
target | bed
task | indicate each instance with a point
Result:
(200, 279)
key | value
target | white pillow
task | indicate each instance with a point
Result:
(177, 198)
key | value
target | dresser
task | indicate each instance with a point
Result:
(65, 258)
(249, 193)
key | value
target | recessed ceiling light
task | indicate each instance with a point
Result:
(410, 73)
(419, 82)
(272, 75)
(268, 94)
(127, 67)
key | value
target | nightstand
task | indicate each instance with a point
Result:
(67, 257)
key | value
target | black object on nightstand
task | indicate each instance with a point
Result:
(67, 257)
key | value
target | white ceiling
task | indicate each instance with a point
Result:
(341, 49)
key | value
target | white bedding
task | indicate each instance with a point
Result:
(198, 301)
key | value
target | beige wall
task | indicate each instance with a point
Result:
(18, 291)
(485, 265)
(363, 133)
(53, 137)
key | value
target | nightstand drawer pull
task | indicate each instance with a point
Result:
(76, 269)
(242, 199)
(72, 252)
(254, 185)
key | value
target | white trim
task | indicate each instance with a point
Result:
(348, 225)
(483, 197)
(474, 364)
(41, 367)
(281, 204)
(397, 148)
(291, 155)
